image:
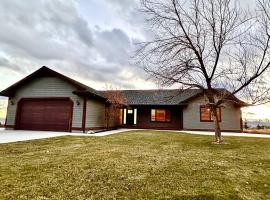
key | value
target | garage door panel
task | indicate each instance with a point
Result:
(45, 114)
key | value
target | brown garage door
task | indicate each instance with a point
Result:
(44, 114)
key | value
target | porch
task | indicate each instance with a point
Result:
(153, 117)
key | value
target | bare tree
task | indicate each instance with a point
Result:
(209, 44)
(115, 101)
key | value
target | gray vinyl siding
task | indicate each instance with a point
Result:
(47, 87)
(95, 114)
(230, 116)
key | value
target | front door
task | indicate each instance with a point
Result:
(130, 117)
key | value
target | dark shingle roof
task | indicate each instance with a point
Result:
(169, 97)
(159, 97)
(134, 97)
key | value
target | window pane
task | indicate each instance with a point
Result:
(161, 115)
(135, 116)
(153, 115)
(205, 113)
(125, 116)
(130, 111)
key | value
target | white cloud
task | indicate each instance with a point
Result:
(256, 112)
(55, 33)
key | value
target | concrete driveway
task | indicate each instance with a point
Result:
(8, 136)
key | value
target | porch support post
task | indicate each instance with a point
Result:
(84, 114)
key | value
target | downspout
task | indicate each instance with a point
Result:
(241, 121)
(5, 125)
(84, 114)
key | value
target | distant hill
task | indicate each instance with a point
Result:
(256, 123)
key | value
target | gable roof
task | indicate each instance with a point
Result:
(45, 71)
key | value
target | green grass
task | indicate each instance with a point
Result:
(136, 165)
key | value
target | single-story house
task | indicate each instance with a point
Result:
(47, 100)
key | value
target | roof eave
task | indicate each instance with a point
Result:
(157, 104)
(6, 94)
(242, 104)
(89, 94)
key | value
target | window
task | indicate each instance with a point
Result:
(206, 116)
(135, 116)
(125, 116)
(160, 115)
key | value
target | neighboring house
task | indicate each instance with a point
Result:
(47, 100)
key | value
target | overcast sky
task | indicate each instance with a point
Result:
(89, 40)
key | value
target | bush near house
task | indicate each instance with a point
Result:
(261, 130)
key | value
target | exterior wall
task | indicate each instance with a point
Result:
(46, 87)
(112, 116)
(230, 117)
(144, 118)
(96, 117)
(115, 119)
(95, 114)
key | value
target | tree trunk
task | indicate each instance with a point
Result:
(218, 138)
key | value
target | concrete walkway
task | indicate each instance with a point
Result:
(103, 133)
(8, 136)
(230, 134)
(227, 134)
(189, 132)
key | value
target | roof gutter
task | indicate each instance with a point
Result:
(89, 94)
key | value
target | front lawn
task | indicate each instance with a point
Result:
(136, 165)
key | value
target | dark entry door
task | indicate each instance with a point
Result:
(130, 117)
(44, 114)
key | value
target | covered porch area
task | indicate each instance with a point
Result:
(153, 117)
